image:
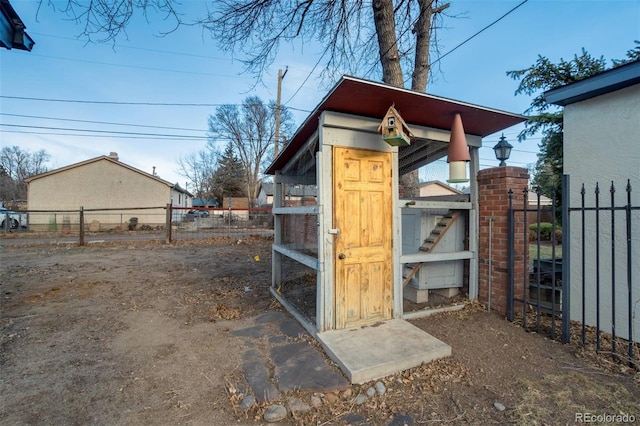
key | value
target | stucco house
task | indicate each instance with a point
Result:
(109, 191)
(601, 128)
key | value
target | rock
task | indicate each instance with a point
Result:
(361, 399)
(275, 413)
(331, 397)
(347, 393)
(402, 420)
(247, 402)
(94, 226)
(297, 406)
(371, 392)
(316, 401)
(499, 406)
(380, 388)
(352, 418)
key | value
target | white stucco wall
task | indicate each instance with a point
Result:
(98, 185)
(601, 145)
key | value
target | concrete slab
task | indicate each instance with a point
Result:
(378, 350)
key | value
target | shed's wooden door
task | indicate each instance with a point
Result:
(363, 248)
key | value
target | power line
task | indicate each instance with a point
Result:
(100, 136)
(477, 33)
(307, 78)
(139, 48)
(101, 122)
(79, 101)
(104, 131)
(135, 66)
(402, 35)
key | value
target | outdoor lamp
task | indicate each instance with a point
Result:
(502, 150)
(458, 154)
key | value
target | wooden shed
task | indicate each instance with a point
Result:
(352, 271)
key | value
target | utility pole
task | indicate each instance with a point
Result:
(277, 137)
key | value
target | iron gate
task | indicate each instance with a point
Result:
(602, 279)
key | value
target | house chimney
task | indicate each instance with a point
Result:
(154, 170)
(113, 155)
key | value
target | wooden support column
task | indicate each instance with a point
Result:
(276, 257)
(474, 235)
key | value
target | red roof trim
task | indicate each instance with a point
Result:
(371, 99)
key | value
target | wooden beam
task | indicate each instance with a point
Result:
(435, 257)
(296, 210)
(305, 259)
(449, 205)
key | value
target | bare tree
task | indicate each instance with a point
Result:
(199, 167)
(16, 165)
(251, 130)
(108, 19)
(357, 37)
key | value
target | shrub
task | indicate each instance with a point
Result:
(558, 236)
(545, 230)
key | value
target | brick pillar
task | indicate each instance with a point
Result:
(493, 202)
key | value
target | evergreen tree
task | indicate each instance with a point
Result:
(229, 178)
(632, 56)
(546, 119)
(250, 128)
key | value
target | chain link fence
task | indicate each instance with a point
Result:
(162, 223)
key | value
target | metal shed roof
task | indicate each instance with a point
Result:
(372, 99)
(599, 84)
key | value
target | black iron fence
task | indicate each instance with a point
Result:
(163, 223)
(580, 281)
(604, 276)
(538, 294)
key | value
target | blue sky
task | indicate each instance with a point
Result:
(186, 67)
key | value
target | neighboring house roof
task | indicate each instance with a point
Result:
(533, 199)
(12, 34)
(599, 84)
(441, 184)
(178, 188)
(293, 190)
(113, 160)
(371, 99)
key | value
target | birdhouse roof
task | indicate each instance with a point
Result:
(392, 112)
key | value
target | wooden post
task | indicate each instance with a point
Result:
(81, 242)
(276, 149)
(474, 223)
(168, 223)
(276, 257)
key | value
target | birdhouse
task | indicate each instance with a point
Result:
(394, 130)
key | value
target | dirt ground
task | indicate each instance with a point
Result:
(146, 333)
